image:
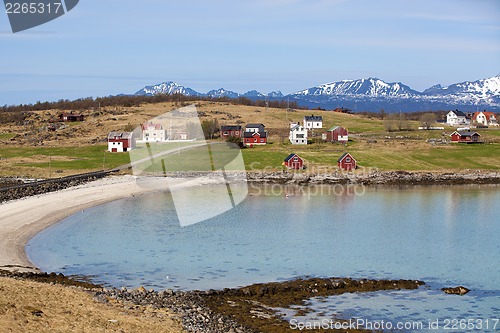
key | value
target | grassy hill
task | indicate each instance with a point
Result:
(31, 150)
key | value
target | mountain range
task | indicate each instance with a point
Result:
(371, 94)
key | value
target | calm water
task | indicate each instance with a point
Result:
(446, 236)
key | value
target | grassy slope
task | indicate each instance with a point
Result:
(391, 151)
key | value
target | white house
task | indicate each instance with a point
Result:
(485, 118)
(457, 118)
(311, 122)
(298, 134)
(153, 132)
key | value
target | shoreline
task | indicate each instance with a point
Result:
(23, 218)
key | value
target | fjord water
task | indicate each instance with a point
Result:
(445, 236)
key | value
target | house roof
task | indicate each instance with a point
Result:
(344, 155)
(254, 125)
(252, 134)
(147, 126)
(458, 113)
(466, 133)
(313, 118)
(120, 135)
(70, 114)
(334, 128)
(230, 128)
(342, 109)
(487, 114)
(289, 157)
(298, 127)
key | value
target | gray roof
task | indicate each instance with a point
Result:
(313, 118)
(121, 135)
(467, 133)
(230, 128)
(458, 113)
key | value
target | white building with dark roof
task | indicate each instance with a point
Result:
(457, 118)
(312, 122)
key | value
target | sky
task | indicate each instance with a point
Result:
(108, 47)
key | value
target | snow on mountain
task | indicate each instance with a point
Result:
(275, 94)
(369, 94)
(479, 91)
(371, 87)
(168, 87)
(253, 94)
(221, 92)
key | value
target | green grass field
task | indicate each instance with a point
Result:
(68, 158)
(371, 145)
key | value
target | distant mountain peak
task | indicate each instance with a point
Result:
(371, 86)
(167, 87)
(221, 92)
(368, 94)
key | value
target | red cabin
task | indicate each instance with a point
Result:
(465, 136)
(346, 162)
(294, 161)
(71, 117)
(231, 130)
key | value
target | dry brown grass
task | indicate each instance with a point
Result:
(27, 306)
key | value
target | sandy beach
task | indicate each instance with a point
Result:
(22, 219)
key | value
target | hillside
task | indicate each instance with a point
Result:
(31, 150)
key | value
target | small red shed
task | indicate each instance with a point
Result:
(346, 162)
(231, 130)
(465, 136)
(337, 134)
(294, 161)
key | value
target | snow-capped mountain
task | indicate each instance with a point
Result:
(221, 92)
(371, 94)
(275, 94)
(371, 87)
(480, 91)
(253, 94)
(168, 87)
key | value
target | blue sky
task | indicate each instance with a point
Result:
(118, 46)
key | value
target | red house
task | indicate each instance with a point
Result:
(465, 136)
(254, 138)
(119, 142)
(231, 130)
(294, 161)
(336, 134)
(254, 134)
(71, 117)
(346, 162)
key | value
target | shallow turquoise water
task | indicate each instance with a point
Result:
(446, 236)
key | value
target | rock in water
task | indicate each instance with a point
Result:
(460, 290)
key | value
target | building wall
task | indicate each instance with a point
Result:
(118, 145)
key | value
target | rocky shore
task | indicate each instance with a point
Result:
(379, 178)
(13, 188)
(17, 191)
(237, 310)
